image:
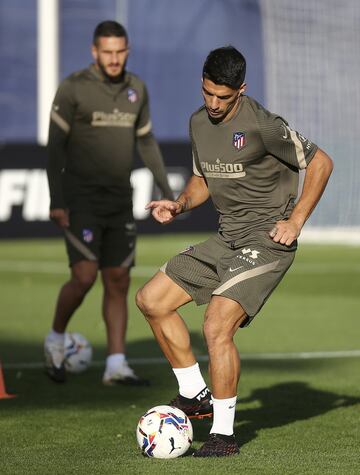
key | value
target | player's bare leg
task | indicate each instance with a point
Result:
(115, 311)
(83, 275)
(159, 300)
(222, 319)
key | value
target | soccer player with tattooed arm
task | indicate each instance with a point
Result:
(247, 160)
(99, 115)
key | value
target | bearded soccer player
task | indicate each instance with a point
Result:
(246, 159)
(98, 116)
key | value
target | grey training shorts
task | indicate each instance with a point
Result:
(246, 270)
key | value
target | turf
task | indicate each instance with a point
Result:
(294, 416)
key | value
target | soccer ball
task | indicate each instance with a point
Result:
(164, 432)
(78, 353)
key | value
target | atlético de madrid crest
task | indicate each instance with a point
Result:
(132, 95)
(239, 140)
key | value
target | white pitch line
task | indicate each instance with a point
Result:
(307, 355)
(56, 267)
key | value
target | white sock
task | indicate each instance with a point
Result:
(55, 336)
(190, 380)
(114, 361)
(224, 416)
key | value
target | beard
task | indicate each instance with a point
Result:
(114, 79)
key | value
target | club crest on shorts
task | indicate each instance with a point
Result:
(88, 235)
(132, 95)
(239, 140)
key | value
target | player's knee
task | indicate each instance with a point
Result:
(212, 333)
(83, 281)
(117, 286)
(215, 332)
(115, 278)
(145, 302)
(151, 305)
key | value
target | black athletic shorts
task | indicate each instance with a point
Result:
(110, 238)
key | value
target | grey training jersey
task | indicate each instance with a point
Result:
(102, 121)
(94, 127)
(251, 166)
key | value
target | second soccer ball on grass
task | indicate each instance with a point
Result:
(78, 353)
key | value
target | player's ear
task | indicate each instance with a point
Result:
(242, 88)
(94, 52)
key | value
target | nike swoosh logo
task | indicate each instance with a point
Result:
(236, 268)
(232, 407)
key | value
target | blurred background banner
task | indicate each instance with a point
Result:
(303, 63)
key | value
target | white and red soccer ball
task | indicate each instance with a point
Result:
(164, 432)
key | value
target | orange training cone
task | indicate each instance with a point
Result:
(3, 393)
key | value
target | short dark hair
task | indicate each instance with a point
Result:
(109, 28)
(225, 66)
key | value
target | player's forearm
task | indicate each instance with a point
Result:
(316, 177)
(150, 154)
(195, 193)
(55, 167)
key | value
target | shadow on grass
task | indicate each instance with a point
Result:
(283, 404)
(279, 405)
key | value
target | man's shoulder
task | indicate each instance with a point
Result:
(255, 106)
(260, 111)
(79, 75)
(133, 80)
(74, 78)
(198, 116)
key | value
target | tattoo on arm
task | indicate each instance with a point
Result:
(185, 203)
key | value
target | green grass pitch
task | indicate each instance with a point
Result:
(294, 415)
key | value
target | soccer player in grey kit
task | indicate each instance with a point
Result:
(98, 116)
(246, 160)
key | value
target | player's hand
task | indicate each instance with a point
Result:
(164, 211)
(60, 217)
(285, 232)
